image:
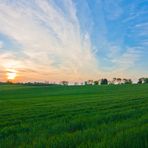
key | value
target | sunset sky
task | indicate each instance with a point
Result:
(74, 40)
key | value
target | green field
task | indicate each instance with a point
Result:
(112, 116)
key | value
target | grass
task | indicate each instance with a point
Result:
(113, 116)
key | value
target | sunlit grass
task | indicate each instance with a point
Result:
(75, 116)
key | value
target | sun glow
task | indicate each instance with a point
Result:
(11, 74)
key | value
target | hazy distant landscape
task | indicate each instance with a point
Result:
(106, 116)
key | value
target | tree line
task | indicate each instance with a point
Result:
(103, 81)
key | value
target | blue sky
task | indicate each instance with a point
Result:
(73, 39)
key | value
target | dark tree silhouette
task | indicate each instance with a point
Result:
(119, 80)
(103, 81)
(127, 81)
(139, 81)
(96, 82)
(64, 82)
(145, 80)
(85, 83)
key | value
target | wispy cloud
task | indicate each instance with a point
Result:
(127, 59)
(50, 40)
(75, 40)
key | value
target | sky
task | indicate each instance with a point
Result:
(74, 40)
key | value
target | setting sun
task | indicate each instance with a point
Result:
(11, 74)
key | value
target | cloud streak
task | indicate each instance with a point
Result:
(73, 40)
(51, 41)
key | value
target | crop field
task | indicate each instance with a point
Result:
(109, 116)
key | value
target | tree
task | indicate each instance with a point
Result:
(114, 80)
(64, 82)
(90, 82)
(119, 80)
(103, 81)
(139, 81)
(76, 83)
(96, 82)
(145, 80)
(130, 81)
(124, 81)
(85, 83)
(142, 80)
(127, 81)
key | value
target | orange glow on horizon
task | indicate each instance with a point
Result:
(11, 74)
